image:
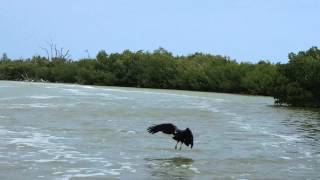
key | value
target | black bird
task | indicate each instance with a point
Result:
(182, 136)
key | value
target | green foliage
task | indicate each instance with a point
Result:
(296, 83)
(260, 78)
(299, 80)
(102, 57)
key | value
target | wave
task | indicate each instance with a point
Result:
(111, 96)
(46, 148)
(204, 105)
(43, 97)
(9, 98)
(6, 86)
(287, 138)
(34, 139)
(84, 175)
(237, 119)
(152, 93)
(75, 91)
(29, 97)
(32, 105)
(95, 172)
(79, 92)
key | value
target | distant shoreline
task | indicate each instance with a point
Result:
(294, 84)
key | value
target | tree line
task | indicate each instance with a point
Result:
(296, 83)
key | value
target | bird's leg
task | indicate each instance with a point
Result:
(176, 145)
(180, 146)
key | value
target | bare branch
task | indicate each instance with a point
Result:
(66, 55)
(55, 52)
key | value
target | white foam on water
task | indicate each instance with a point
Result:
(75, 91)
(43, 97)
(92, 159)
(238, 120)
(41, 105)
(287, 138)
(73, 170)
(50, 87)
(112, 172)
(46, 160)
(108, 96)
(88, 172)
(272, 144)
(246, 126)
(307, 154)
(106, 163)
(32, 105)
(154, 93)
(205, 106)
(194, 169)
(242, 125)
(111, 96)
(298, 167)
(131, 132)
(34, 140)
(88, 87)
(6, 86)
(231, 114)
(9, 98)
(128, 168)
(127, 132)
(73, 88)
(79, 175)
(219, 100)
(131, 91)
(42, 143)
(58, 152)
(285, 157)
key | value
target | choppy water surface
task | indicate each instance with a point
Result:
(58, 131)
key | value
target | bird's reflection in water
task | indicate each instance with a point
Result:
(171, 168)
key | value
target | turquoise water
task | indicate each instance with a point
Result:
(61, 131)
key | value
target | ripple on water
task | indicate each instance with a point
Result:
(75, 91)
(43, 97)
(237, 119)
(49, 156)
(57, 152)
(31, 105)
(172, 167)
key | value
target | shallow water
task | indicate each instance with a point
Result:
(60, 131)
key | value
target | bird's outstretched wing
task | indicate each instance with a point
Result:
(188, 137)
(167, 128)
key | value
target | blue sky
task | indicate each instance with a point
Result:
(245, 30)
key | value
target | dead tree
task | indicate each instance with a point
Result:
(53, 52)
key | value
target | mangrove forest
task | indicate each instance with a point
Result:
(296, 83)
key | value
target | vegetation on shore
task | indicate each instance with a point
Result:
(296, 83)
